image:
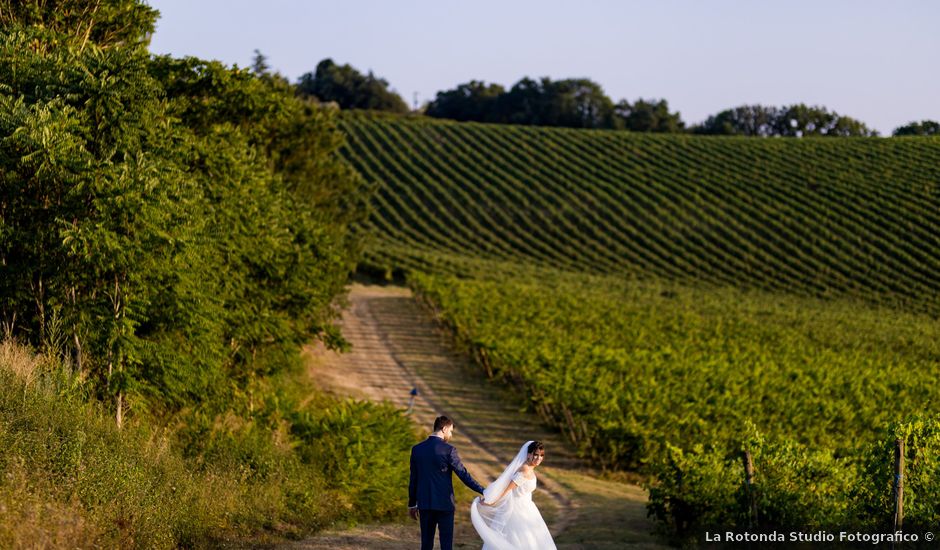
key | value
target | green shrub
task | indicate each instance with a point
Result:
(69, 477)
(363, 449)
(921, 437)
(793, 487)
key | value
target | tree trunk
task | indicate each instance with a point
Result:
(78, 352)
(119, 402)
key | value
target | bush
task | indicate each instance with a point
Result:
(171, 231)
(794, 487)
(69, 477)
(921, 437)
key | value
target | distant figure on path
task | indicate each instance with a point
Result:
(431, 489)
(411, 401)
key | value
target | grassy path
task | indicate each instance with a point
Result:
(397, 346)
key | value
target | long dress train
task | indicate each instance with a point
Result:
(514, 522)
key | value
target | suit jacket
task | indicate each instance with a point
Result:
(431, 485)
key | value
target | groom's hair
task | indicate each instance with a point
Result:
(442, 422)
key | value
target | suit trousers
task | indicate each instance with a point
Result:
(441, 520)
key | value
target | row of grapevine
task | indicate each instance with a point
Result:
(656, 298)
(674, 381)
(821, 217)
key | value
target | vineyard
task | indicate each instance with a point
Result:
(820, 217)
(668, 302)
(676, 381)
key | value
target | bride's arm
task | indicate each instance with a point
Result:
(512, 485)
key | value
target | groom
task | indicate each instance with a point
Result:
(431, 490)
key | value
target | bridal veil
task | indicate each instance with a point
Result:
(513, 522)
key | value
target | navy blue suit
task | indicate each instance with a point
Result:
(431, 488)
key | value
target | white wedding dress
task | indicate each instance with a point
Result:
(514, 523)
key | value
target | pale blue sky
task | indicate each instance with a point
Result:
(878, 61)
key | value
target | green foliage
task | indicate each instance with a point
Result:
(625, 367)
(86, 224)
(660, 372)
(106, 23)
(796, 485)
(647, 116)
(571, 102)
(746, 120)
(69, 477)
(171, 231)
(361, 448)
(793, 487)
(798, 120)
(820, 217)
(697, 491)
(189, 222)
(921, 437)
(922, 128)
(349, 88)
(671, 381)
(67, 473)
(474, 100)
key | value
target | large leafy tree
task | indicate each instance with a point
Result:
(746, 120)
(173, 227)
(803, 120)
(796, 120)
(349, 88)
(573, 102)
(474, 100)
(647, 116)
(105, 23)
(922, 128)
(97, 214)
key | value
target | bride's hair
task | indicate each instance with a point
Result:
(536, 446)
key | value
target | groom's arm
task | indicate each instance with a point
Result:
(457, 466)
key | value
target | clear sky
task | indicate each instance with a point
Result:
(878, 61)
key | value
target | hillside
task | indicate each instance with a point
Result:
(822, 217)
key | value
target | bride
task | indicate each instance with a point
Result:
(506, 518)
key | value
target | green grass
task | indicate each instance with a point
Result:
(70, 478)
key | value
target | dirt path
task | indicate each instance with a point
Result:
(397, 347)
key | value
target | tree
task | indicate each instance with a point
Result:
(577, 103)
(474, 100)
(573, 103)
(746, 120)
(922, 128)
(801, 120)
(186, 224)
(797, 120)
(349, 88)
(647, 116)
(106, 23)
(259, 65)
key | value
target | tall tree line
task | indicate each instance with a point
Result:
(572, 103)
(582, 103)
(173, 227)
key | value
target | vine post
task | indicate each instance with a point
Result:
(898, 484)
(749, 489)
